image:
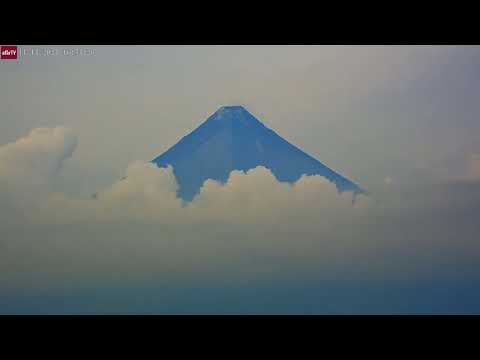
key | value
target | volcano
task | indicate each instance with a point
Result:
(233, 139)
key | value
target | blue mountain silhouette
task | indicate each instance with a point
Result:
(233, 139)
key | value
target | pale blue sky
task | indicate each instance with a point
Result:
(401, 121)
(369, 112)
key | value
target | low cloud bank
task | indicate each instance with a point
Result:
(250, 230)
(148, 193)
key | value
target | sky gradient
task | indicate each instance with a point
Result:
(401, 121)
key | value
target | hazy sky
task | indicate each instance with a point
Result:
(401, 121)
(369, 112)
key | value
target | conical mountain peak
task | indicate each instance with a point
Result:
(233, 113)
(232, 109)
(233, 139)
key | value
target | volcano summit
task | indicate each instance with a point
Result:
(233, 139)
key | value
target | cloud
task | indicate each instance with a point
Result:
(252, 229)
(251, 210)
(148, 193)
(35, 159)
(473, 171)
(28, 168)
(466, 170)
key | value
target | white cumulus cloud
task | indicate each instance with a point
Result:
(148, 193)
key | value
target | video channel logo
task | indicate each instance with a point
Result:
(8, 52)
